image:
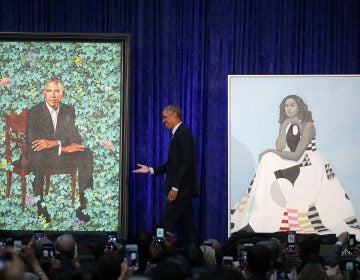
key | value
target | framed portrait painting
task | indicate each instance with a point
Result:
(84, 80)
(293, 153)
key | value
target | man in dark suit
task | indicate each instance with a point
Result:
(53, 140)
(180, 176)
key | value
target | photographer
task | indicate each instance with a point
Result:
(67, 254)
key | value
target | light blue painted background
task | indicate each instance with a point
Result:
(253, 124)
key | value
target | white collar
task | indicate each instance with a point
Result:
(51, 109)
(175, 128)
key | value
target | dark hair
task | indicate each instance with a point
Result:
(310, 244)
(304, 114)
(173, 108)
(259, 259)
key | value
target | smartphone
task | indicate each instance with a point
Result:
(39, 235)
(132, 256)
(111, 240)
(242, 258)
(283, 274)
(348, 265)
(291, 242)
(48, 250)
(227, 261)
(352, 242)
(17, 245)
(160, 235)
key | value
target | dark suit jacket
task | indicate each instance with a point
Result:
(180, 167)
(39, 126)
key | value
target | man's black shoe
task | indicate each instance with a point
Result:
(81, 216)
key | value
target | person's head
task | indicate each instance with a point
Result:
(216, 245)
(313, 271)
(108, 267)
(53, 92)
(258, 260)
(168, 270)
(293, 106)
(171, 116)
(65, 245)
(144, 240)
(308, 246)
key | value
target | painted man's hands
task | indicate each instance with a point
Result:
(42, 144)
(72, 148)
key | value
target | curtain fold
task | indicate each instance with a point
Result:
(182, 52)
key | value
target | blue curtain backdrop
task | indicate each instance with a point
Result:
(182, 52)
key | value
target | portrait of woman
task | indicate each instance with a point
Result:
(294, 188)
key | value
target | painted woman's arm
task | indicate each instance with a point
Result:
(281, 140)
(308, 133)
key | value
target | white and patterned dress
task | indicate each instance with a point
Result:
(303, 196)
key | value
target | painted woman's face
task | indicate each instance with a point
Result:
(291, 108)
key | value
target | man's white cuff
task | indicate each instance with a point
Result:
(59, 150)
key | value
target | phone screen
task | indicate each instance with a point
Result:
(352, 241)
(285, 274)
(17, 245)
(160, 232)
(48, 250)
(227, 261)
(132, 255)
(38, 235)
(111, 238)
(291, 242)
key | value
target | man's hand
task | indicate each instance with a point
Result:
(73, 148)
(343, 237)
(143, 169)
(42, 144)
(155, 249)
(172, 195)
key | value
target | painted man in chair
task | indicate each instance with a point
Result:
(54, 141)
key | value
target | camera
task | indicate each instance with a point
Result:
(160, 235)
(242, 258)
(291, 242)
(39, 235)
(132, 255)
(111, 240)
(348, 265)
(227, 261)
(283, 274)
(17, 245)
(352, 242)
(48, 251)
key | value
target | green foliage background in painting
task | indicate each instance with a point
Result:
(91, 73)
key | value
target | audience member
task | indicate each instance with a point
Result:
(308, 251)
(166, 261)
(66, 252)
(313, 271)
(258, 262)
